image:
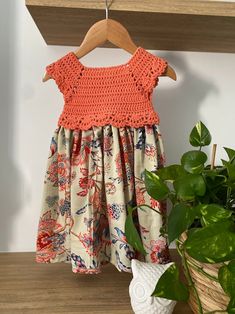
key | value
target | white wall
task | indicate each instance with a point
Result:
(203, 91)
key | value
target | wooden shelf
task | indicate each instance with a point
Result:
(30, 287)
(186, 25)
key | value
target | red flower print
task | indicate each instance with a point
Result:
(47, 223)
(162, 159)
(160, 252)
(84, 171)
(79, 158)
(61, 171)
(88, 166)
(150, 151)
(127, 157)
(154, 257)
(82, 193)
(44, 240)
(110, 188)
(143, 229)
(154, 203)
(107, 142)
(86, 139)
(158, 244)
(76, 159)
(149, 129)
(87, 150)
(89, 243)
(95, 199)
(97, 170)
(75, 146)
(49, 239)
(139, 196)
(118, 164)
(86, 183)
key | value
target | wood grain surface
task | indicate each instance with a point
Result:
(184, 25)
(198, 7)
(28, 287)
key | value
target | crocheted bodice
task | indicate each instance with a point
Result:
(120, 95)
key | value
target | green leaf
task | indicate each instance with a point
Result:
(231, 306)
(223, 161)
(189, 186)
(212, 213)
(214, 180)
(230, 169)
(155, 186)
(226, 278)
(170, 287)
(193, 161)
(132, 235)
(214, 243)
(180, 218)
(200, 135)
(216, 188)
(170, 173)
(231, 154)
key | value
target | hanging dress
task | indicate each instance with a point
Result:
(107, 134)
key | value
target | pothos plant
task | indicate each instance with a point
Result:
(203, 207)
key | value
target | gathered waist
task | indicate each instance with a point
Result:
(75, 117)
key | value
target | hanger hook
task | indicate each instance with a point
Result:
(106, 9)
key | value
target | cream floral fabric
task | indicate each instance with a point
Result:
(91, 176)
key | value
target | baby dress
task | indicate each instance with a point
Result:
(107, 135)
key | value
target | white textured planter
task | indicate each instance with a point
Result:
(145, 278)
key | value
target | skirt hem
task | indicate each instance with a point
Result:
(82, 270)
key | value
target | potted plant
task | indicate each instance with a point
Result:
(201, 222)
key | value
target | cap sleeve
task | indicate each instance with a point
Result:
(57, 71)
(147, 71)
(157, 67)
(66, 72)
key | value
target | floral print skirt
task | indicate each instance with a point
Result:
(91, 176)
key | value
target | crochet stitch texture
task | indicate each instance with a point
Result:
(120, 95)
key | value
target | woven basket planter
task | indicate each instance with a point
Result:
(210, 292)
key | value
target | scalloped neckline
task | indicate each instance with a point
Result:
(111, 67)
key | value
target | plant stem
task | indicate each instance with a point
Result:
(229, 190)
(189, 279)
(148, 207)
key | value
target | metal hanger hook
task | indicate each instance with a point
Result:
(106, 9)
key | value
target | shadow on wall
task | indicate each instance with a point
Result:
(179, 107)
(10, 176)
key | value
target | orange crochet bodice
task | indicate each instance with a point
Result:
(120, 95)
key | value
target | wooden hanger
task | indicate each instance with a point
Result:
(113, 31)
